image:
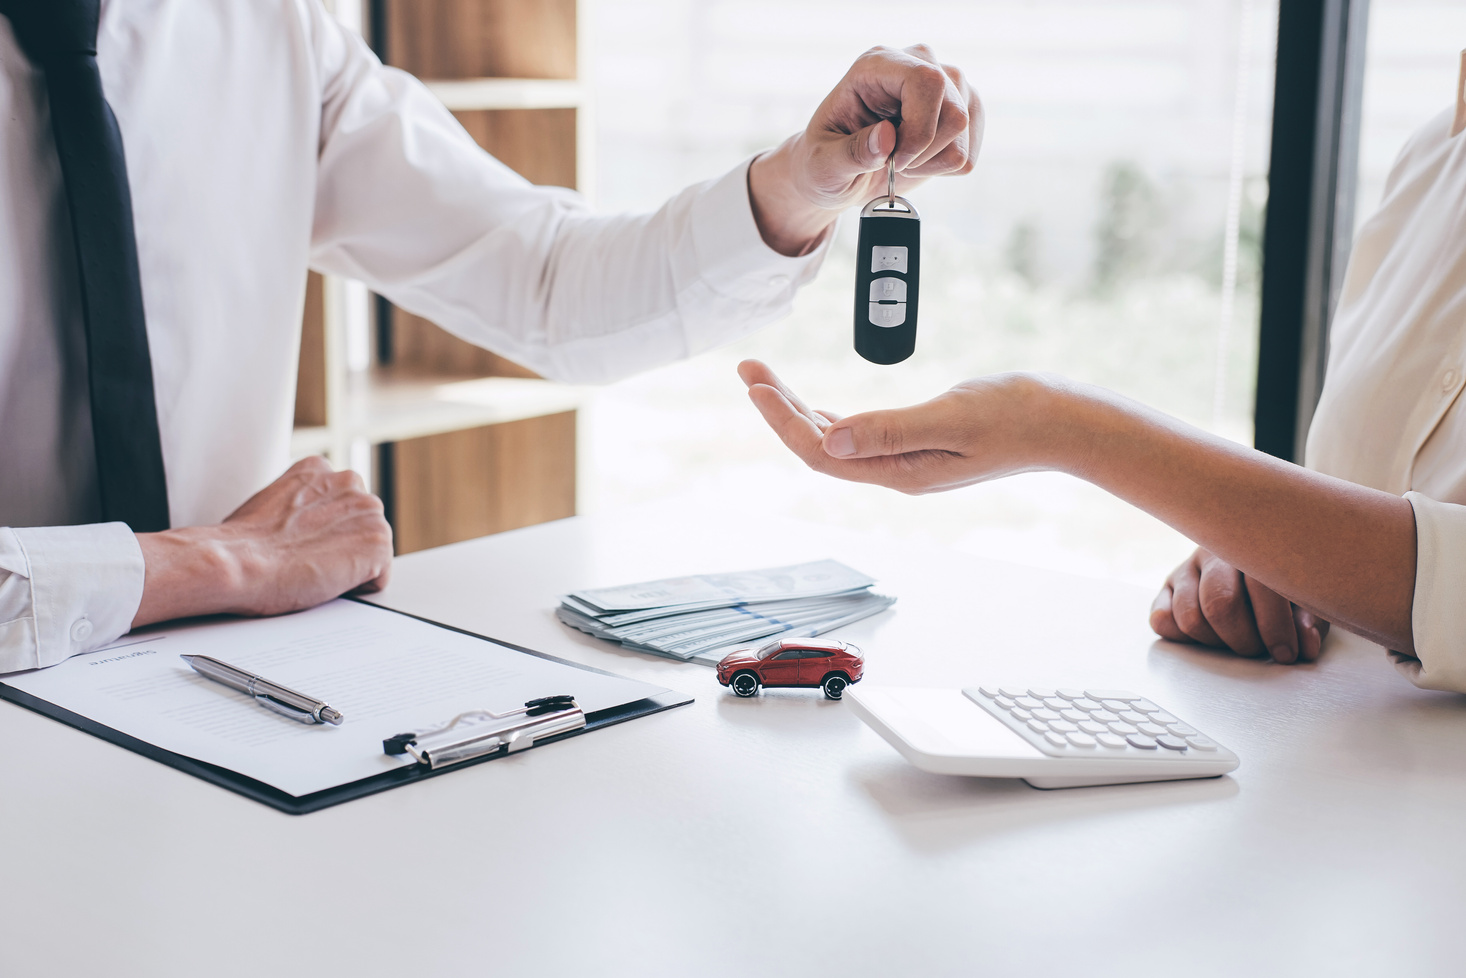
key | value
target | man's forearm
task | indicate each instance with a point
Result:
(307, 537)
(188, 572)
(1343, 551)
(788, 222)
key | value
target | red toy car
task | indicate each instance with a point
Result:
(829, 664)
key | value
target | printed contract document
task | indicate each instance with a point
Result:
(384, 671)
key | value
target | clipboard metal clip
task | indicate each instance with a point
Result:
(480, 732)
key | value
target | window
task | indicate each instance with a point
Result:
(1110, 233)
(1411, 64)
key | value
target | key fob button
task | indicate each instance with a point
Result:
(887, 315)
(888, 289)
(888, 258)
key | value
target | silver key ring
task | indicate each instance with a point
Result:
(891, 179)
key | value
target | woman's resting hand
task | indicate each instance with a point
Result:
(1207, 600)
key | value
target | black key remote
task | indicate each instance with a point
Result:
(887, 277)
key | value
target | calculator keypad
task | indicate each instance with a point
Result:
(1091, 722)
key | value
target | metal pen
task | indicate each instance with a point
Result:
(272, 696)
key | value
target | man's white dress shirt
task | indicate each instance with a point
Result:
(262, 138)
(1391, 415)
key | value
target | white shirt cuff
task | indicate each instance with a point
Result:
(734, 261)
(85, 584)
(1438, 612)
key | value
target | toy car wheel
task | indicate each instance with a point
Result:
(745, 684)
(834, 686)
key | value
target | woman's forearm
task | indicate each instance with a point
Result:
(1343, 551)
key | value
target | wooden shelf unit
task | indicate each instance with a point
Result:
(459, 442)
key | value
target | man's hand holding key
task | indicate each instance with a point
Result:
(798, 189)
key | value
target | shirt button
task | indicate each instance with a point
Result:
(779, 282)
(81, 630)
(1449, 380)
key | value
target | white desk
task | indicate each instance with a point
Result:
(778, 836)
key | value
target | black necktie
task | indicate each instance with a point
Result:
(60, 36)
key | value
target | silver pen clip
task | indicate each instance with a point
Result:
(302, 716)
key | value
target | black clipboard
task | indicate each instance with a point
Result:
(290, 804)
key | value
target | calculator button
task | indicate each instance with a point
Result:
(1141, 740)
(1089, 726)
(1123, 728)
(1115, 706)
(1111, 741)
(1020, 713)
(1182, 730)
(991, 692)
(1162, 716)
(1154, 729)
(1111, 694)
(1045, 714)
(1201, 743)
(1080, 739)
(1130, 716)
(1078, 716)
(1005, 702)
(1145, 706)
(1056, 739)
(1041, 694)
(1104, 716)
(1171, 743)
(1037, 726)
(1086, 704)
(1012, 692)
(1070, 694)
(1063, 726)
(1028, 702)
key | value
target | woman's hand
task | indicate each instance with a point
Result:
(979, 430)
(1344, 552)
(1207, 600)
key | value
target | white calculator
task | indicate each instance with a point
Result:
(1051, 738)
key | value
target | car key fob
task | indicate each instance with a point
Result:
(887, 277)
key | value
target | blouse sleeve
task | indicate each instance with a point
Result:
(1438, 615)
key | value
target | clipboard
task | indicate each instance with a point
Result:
(283, 801)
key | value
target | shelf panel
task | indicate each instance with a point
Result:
(508, 93)
(387, 405)
(309, 440)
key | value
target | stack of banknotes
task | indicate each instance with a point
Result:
(701, 618)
